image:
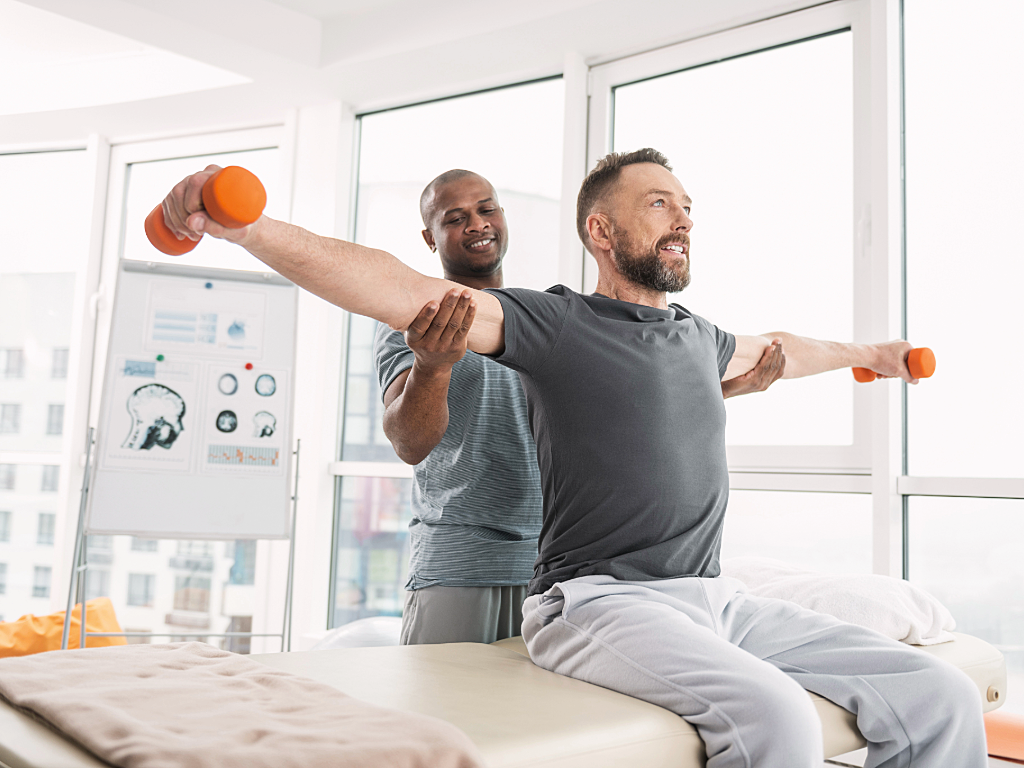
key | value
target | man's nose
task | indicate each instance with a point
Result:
(477, 223)
(683, 222)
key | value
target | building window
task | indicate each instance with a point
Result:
(7, 472)
(51, 478)
(55, 419)
(5, 525)
(145, 545)
(10, 418)
(97, 584)
(3, 578)
(191, 593)
(243, 570)
(47, 523)
(59, 368)
(189, 548)
(41, 581)
(141, 589)
(12, 363)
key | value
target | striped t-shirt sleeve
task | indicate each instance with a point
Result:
(391, 355)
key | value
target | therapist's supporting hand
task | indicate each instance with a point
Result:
(768, 370)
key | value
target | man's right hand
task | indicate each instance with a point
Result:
(439, 334)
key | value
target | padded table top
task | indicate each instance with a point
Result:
(517, 713)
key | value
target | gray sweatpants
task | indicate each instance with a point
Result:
(462, 614)
(736, 667)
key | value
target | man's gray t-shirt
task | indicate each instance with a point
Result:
(476, 505)
(625, 405)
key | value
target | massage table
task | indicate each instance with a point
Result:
(515, 712)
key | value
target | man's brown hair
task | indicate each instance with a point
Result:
(603, 178)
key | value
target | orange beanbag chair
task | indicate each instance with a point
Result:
(1005, 733)
(35, 634)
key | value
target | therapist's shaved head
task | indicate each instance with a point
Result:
(429, 195)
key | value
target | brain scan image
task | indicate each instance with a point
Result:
(156, 413)
(227, 421)
(265, 385)
(228, 384)
(237, 330)
(265, 424)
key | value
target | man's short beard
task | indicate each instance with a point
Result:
(647, 269)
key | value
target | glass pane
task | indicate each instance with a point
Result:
(764, 146)
(965, 257)
(41, 268)
(401, 151)
(149, 183)
(825, 532)
(371, 547)
(967, 552)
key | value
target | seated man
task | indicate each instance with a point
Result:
(461, 419)
(626, 409)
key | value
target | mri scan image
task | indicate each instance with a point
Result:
(156, 413)
(227, 421)
(265, 385)
(265, 424)
(227, 385)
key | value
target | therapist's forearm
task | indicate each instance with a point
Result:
(806, 357)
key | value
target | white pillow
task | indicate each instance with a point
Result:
(894, 607)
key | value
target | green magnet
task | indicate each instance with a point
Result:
(159, 358)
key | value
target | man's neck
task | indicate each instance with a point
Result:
(480, 282)
(619, 288)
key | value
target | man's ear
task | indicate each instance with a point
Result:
(428, 238)
(599, 227)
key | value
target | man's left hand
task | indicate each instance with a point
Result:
(768, 370)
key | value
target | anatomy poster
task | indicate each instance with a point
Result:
(244, 419)
(153, 415)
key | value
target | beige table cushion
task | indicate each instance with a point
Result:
(517, 713)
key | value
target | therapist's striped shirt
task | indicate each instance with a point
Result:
(476, 499)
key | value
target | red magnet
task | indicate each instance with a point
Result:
(248, 366)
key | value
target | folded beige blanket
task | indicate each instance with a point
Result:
(190, 705)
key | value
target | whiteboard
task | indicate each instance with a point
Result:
(195, 430)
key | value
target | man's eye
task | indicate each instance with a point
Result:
(687, 209)
(660, 203)
(455, 221)
(487, 210)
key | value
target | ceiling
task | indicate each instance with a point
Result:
(136, 67)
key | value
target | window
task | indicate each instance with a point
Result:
(145, 545)
(47, 523)
(141, 589)
(10, 418)
(243, 569)
(5, 525)
(779, 120)
(12, 363)
(3, 578)
(8, 473)
(97, 584)
(191, 593)
(55, 419)
(59, 364)
(51, 478)
(401, 150)
(41, 581)
(191, 548)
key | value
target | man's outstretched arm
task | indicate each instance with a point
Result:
(806, 357)
(363, 280)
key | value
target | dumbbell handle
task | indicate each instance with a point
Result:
(920, 361)
(233, 197)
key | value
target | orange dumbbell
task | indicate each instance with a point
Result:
(920, 361)
(233, 197)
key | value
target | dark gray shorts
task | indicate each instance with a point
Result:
(462, 614)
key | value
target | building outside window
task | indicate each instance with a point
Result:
(12, 363)
(59, 367)
(41, 581)
(7, 477)
(243, 570)
(51, 478)
(55, 419)
(5, 525)
(191, 593)
(141, 589)
(47, 523)
(145, 545)
(10, 418)
(97, 584)
(3, 578)
(190, 548)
